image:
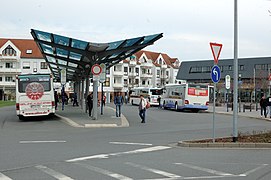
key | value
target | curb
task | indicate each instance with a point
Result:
(124, 123)
(224, 145)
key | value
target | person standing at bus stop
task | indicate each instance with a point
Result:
(90, 103)
(118, 101)
(263, 105)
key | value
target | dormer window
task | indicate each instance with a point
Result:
(29, 51)
(160, 61)
(9, 51)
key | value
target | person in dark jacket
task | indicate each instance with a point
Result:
(90, 103)
(263, 104)
(118, 101)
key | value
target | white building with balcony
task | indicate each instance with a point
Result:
(18, 56)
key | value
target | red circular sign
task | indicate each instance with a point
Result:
(34, 90)
(96, 69)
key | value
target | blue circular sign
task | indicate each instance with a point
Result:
(215, 74)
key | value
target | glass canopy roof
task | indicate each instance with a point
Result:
(77, 56)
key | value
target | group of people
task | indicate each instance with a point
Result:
(118, 101)
(264, 103)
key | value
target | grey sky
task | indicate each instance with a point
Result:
(188, 25)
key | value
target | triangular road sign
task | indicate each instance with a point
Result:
(216, 49)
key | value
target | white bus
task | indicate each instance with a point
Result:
(151, 94)
(34, 95)
(192, 97)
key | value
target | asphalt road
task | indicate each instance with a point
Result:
(46, 148)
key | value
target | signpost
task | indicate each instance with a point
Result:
(63, 82)
(216, 49)
(215, 76)
(227, 86)
(102, 80)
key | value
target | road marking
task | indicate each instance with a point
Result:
(104, 172)
(205, 169)
(53, 173)
(253, 170)
(102, 156)
(4, 177)
(127, 143)
(156, 171)
(27, 142)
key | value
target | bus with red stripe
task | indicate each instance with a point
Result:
(193, 97)
(34, 95)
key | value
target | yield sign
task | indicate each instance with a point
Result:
(216, 49)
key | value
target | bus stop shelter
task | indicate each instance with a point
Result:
(77, 57)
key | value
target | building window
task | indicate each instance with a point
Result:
(160, 61)
(143, 82)
(43, 65)
(9, 65)
(9, 51)
(107, 82)
(195, 69)
(8, 79)
(108, 71)
(26, 65)
(137, 71)
(206, 69)
(125, 82)
(126, 71)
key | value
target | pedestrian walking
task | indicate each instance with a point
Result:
(90, 103)
(56, 100)
(118, 101)
(75, 102)
(142, 108)
(263, 104)
(268, 102)
(159, 102)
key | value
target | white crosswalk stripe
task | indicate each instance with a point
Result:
(212, 171)
(53, 173)
(105, 172)
(156, 171)
(4, 177)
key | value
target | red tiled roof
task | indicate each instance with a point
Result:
(154, 56)
(23, 45)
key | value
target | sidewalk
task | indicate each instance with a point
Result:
(76, 117)
(251, 114)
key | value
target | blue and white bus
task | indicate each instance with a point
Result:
(193, 97)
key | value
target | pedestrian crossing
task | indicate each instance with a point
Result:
(68, 171)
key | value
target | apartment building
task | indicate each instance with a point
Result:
(143, 69)
(18, 56)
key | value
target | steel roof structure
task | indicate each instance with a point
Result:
(78, 56)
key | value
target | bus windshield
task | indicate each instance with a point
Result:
(36, 82)
(197, 90)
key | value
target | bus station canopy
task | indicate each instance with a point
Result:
(77, 56)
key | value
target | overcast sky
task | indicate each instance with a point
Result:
(188, 25)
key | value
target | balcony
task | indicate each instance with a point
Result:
(146, 75)
(118, 73)
(132, 74)
(132, 63)
(118, 85)
(163, 66)
(147, 64)
(10, 71)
